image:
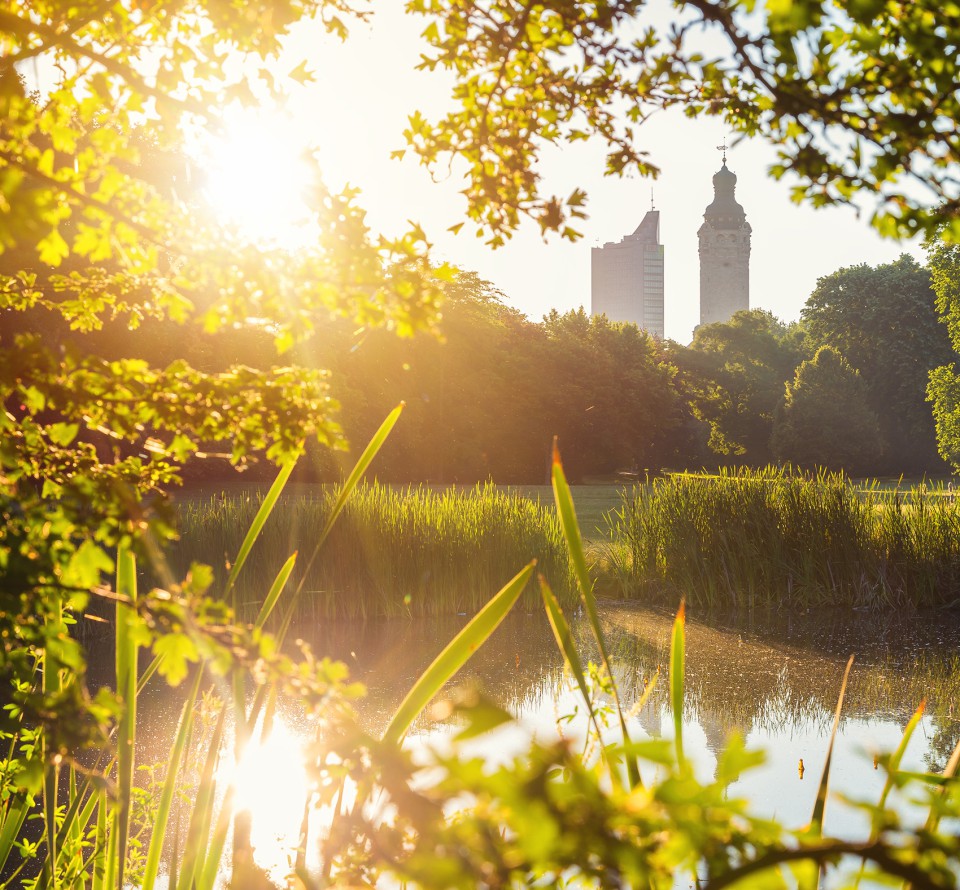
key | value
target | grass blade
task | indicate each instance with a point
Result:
(17, 808)
(198, 829)
(275, 590)
(561, 631)
(263, 514)
(127, 689)
(169, 788)
(571, 532)
(949, 771)
(677, 669)
(455, 655)
(816, 820)
(99, 863)
(897, 756)
(356, 474)
(242, 860)
(564, 638)
(892, 768)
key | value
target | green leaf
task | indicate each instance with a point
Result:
(816, 821)
(52, 250)
(176, 651)
(564, 638)
(301, 74)
(343, 495)
(63, 433)
(275, 590)
(479, 713)
(34, 400)
(126, 667)
(86, 566)
(263, 514)
(30, 778)
(456, 655)
(677, 663)
(571, 533)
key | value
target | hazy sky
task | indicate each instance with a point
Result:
(355, 113)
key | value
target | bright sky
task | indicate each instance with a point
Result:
(356, 111)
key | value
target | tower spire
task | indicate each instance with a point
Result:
(723, 148)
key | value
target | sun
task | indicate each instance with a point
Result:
(258, 177)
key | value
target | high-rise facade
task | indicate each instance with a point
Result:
(626, 277)
(724, 252)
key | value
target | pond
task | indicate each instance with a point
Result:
(774, 680)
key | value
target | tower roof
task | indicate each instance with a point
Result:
(724, 212)
(649, 228)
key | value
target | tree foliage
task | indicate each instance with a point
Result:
(825, 419)
(884, 321)
(92, 423)
(859, 99)
(486, 402)
(94, 430)
(943, 389)
(734, 373)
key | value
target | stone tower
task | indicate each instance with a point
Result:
(626, 277)
(724, 252)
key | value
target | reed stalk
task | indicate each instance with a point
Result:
(392, 552)
(747, 538)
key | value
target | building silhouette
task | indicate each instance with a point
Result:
(626, 277)
(724, 252)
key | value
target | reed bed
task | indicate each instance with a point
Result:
(780, 537)
(393, 552)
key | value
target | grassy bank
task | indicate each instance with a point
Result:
(746, 537)
(414, 551)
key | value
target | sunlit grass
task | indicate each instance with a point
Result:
(745, 538)
(410, 551)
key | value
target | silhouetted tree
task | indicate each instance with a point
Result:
(825, 419)
(883, 320)
(734, 374)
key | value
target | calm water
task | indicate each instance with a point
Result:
(775, 681)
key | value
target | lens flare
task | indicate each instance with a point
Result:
(258, 177)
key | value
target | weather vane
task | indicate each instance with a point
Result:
(652, 206)
(723, 148)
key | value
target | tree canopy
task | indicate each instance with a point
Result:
(884, 322)
(825, 419)
(858, 98)
(734, 373)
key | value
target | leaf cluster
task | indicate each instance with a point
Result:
(858, 98)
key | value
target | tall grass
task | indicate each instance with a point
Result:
(774, 536)
(392, 552)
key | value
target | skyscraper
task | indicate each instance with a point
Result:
(724, 252)
(626, 277)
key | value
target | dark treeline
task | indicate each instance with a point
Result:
(843, 388)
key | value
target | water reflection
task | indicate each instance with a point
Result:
(773, 674)
(772, 679)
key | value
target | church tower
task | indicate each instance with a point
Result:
(724, 252)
